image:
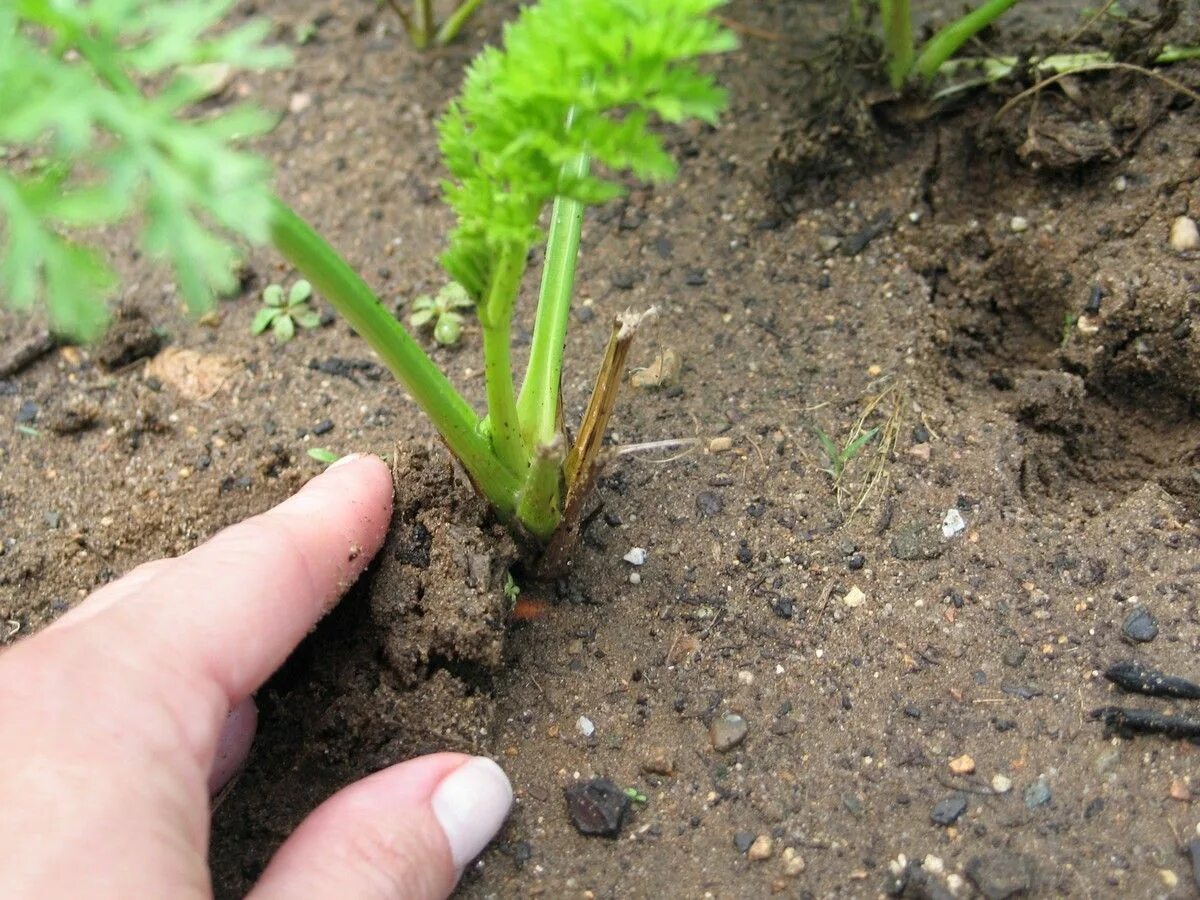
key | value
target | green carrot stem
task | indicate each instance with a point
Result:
(949, 39)
(538, 404)
(357, 303)
(495, 320)
(539, 507)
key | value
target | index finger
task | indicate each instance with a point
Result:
(228, 613)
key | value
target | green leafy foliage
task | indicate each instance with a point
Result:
(575, 77)
(441, 313)
(82, 145)
(282, 314)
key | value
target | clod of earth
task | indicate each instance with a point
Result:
(1000, 875)
(597, 807)
(1130, 722)
(1134, 677)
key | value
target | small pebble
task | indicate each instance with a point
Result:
(720, 445)
(1037, 794)
(745, 677)
(635, 577)
(1001, 784)
(761, 849)
(948, 811)
(1184, 235)
(1018, 224)
(727, 731)
(962, 765)
(596, 807)
(658, 762)
(793, 863)
(1140, 626)
(742, 840)
(1120, 184)
(585, 726)
(1169, 879)
(952, 524)
(1180, 790)
(636, 556)
(854, 598)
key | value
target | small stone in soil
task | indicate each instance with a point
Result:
(962, 765)
(323, 427)
(658, 762)
(1037, 794)
(695, 278)
(742, 840)
(856, 562)
(1001, 784)
(596, 807)
(727, 731)
(585, 726)
(709, 504)
(625, 279)
(854, 597)
(1179, 790)
(1140, 626)
(793, 862)
(1184, 235)
(1002, 875)
(948, 811)
(636, 556)
(784, 607)
(28, 413)
(761, 849)
(1193, 849)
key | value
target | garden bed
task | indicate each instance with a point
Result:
(1026, 341)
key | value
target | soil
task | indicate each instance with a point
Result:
(1020, 332)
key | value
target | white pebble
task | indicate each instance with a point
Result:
(953, 524)
(1017, 224)
(636, 556)
(1001, 784)
(745, 677)
(854, 597)
(585, 726)
(635, 577)
(1184, 234)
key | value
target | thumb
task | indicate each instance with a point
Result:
(404, 832)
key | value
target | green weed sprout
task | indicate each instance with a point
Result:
(423, 30)
(282, 315)
(577, 83)
(837, 459)
(442, 313)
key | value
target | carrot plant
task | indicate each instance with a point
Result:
(543, 124)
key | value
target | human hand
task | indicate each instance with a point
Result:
(116, 724)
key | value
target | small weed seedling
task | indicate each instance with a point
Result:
(321, 455)
(636, 796)
(282, 315)
(908, 62)
(421, 28)
(905, 60)
(442, 313)
(99, 127)
(836, 459)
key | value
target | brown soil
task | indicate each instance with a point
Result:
(1065, 438)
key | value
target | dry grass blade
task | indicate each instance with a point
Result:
(1094, 67)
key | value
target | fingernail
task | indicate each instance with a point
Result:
(471, 804)
(345, 459)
